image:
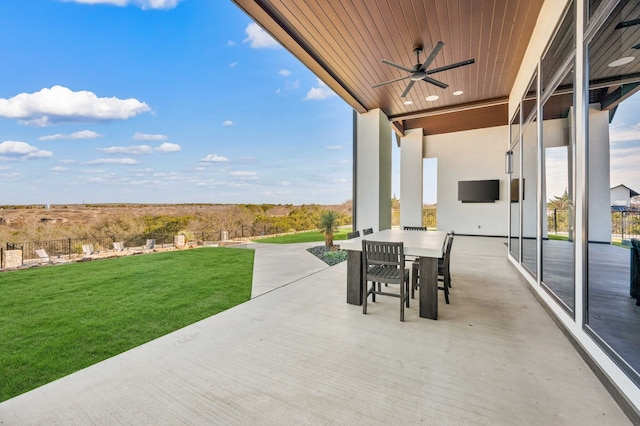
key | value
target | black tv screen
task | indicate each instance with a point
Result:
(479, 191)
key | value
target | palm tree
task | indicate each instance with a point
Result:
(328, 226)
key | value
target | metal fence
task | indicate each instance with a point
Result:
(624, 224)
(71, 248)
(430, 217)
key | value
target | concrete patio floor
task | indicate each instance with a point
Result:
(298, 354)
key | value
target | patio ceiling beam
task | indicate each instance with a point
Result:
(624, 91)
(456, 108)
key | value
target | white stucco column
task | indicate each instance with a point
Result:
(599, 191)
(411, 177)
(372, 171)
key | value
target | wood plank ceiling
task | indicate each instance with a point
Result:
(344, 42)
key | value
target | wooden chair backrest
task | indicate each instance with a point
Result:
(378, 253)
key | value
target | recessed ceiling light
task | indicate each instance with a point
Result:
(621, 61)
(408, 102)
(458, 93)
(432, 98)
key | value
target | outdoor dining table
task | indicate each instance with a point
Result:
(428, 246)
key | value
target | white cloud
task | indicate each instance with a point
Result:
(258, 38)
(233, 64)
(134, 149)
(214, 158)
(113, 161)
(231, 43)
(286, 183)
(624, 133)
(285, 73)
(60, 104)
(142, 4)
(139, 136)
(319, 93)
(228, 123)
(10, 176)
(58, 169)
(83, 134)
(288, 86)
(168, 147)
(141, 149)
(333, 148)
(245, 175)
(21, 151)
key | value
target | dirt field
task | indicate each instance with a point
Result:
(20, 223)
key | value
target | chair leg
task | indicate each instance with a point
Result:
(402, 295)
(414, 281)
(446, 285)
(365, 294)
(406, 293)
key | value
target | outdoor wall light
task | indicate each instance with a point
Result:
(508, 162)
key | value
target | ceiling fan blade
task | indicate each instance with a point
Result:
(409, 86)
(627, 24)
(435, 82)
(452, 66)
(384, 61)
(390, 81)
(432, 56)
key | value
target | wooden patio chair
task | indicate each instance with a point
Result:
(414, 228)
(444, 272)
(383, 262)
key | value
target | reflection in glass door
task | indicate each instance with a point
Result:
(514, 225)
(613, 283)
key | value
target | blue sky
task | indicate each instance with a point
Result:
(162, 101)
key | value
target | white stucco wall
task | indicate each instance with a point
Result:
(470, 155)
(599, 180)
(373, 171)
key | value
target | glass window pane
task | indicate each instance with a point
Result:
(558, 249)
(562, 45)
(529, 196)
(613, 209)
(557, 272)
(514, 225)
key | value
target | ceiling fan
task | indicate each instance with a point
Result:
(420, 72)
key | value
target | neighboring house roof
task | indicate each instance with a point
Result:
(632, 193)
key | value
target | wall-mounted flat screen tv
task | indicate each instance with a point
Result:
(479, 191)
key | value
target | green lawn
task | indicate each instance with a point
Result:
(558, 237)
(304, 237)
(59, 319)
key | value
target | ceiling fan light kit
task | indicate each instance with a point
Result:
(421, 72)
